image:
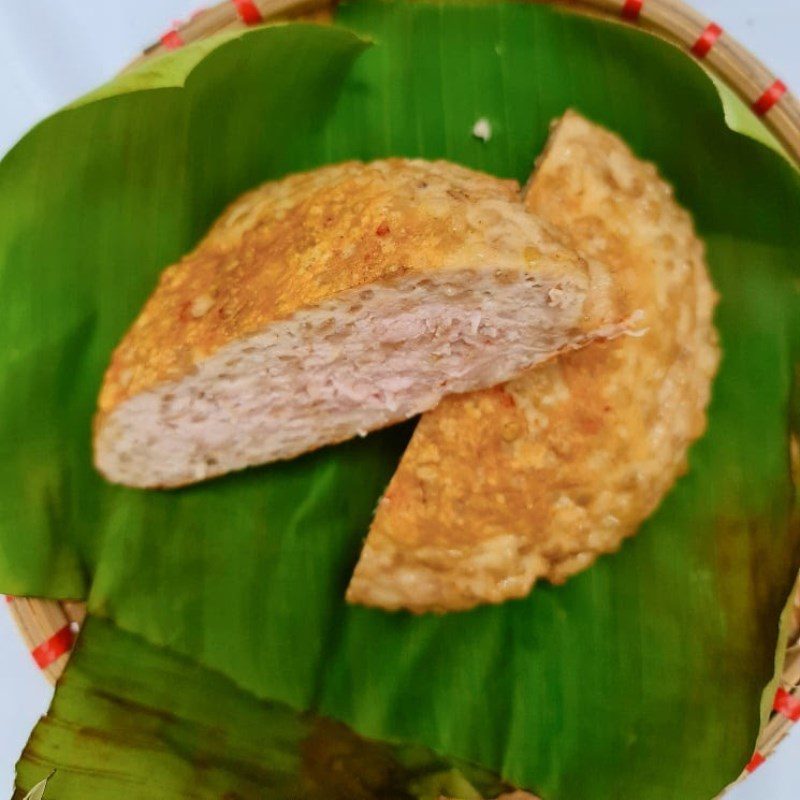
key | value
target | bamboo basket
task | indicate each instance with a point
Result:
(49, 628)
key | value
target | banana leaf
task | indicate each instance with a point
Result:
(641, 678)
(133, 721)
(37, 792)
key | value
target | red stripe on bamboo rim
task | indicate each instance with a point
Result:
(631, 9)
(788, 705)
(248, 12)
(53, 648)
(770, 98)
(708, 38)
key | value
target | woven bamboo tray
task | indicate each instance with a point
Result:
(49, 628)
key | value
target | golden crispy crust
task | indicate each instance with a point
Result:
(293, 243)
(534, 479)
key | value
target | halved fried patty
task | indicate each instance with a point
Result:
(335, 302)
(534, 479)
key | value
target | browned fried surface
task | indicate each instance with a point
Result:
(534, 479)
(295, 242)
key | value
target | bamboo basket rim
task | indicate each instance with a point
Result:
(49, 627)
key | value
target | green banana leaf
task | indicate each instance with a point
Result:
(740, 118)
(641, 678)
(133, 721)
(37, 792)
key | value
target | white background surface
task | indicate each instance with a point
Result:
(54, 50)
